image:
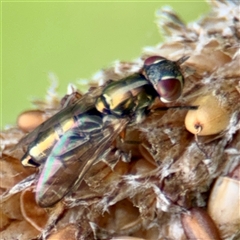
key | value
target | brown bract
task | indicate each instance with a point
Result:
(160, 186)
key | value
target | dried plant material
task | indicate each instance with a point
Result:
(235, 174)
(146, 154)
(4, 220)
(52, 100)
(205, 62)
(31, 212)
(123, 217)
(126, 238)
(141, 167)
(11, 208)
(198, 225)
(19, 230)
(12, 172)
(29, 120)
(68, 232)
(145, 188)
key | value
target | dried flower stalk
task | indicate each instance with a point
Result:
(169, 173)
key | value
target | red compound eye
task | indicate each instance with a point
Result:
(169, 89)
(153, 60)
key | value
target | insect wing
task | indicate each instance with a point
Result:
(83, 104)
(41, 141)
(71, 158)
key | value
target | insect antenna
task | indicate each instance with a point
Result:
(182, 60)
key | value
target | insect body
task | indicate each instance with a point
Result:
(129, 97)
(67, 144)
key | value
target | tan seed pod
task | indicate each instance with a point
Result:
(198, 225)
(29, 120)
(4, 220)
(210, 118)
(69, 232)
(141, 166)
(11, 208)
(127, 238)
(12, 172)
(224, 203)
(19, 230)
(206, 62)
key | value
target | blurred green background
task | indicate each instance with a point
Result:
(73, 40)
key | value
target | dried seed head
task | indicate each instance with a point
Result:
(145, 196)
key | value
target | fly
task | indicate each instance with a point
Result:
(69, 143)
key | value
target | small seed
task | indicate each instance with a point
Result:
(197, 224)
(29, 120)
(210, 118)
(223, 204)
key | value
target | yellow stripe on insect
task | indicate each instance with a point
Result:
(40, 148)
